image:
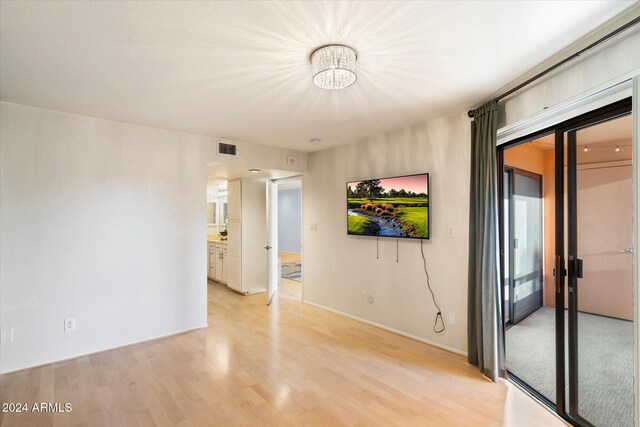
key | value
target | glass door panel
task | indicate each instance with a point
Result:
(529, 326)
(600, 284)
(527, 244)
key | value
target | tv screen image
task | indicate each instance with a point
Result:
(389, 207)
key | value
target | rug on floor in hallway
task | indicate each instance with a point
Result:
(292, 271)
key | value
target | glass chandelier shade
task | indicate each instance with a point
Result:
(334, 67)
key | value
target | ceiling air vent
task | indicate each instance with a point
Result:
(224, 148)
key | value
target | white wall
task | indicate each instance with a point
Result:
(289, 220)
(338, 268)
(613, 62)
(105, 222)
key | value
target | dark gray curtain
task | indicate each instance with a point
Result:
(485, 339)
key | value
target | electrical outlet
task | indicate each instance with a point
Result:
(70, 324)
(313, 226)
(370, 299)
(6, 336)
(452, 318)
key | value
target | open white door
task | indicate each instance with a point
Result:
(272, 240)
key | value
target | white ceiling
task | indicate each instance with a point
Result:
(600, 139)
(614, 131)
(240, 70)
(620, 129)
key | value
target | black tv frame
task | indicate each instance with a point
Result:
(391, 177)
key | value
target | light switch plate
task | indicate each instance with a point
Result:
(451, 231)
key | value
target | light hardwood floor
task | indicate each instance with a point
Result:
(286, 364)
(288, 286)
(289, 257)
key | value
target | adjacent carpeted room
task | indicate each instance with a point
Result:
(605, 363)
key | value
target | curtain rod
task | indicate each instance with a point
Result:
(612, 34)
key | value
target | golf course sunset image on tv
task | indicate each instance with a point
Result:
(389, 207)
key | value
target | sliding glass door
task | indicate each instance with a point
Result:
(599, 230)
(572, 344)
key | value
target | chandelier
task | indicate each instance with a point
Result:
(334, 67)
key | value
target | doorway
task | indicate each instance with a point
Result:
(242, 226)
(290, 235)
(573, 348)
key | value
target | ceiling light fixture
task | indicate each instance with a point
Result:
(334, 66)
(315, 140)
(254, 170)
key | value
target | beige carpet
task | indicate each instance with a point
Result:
(605, 363)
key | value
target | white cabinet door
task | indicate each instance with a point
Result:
(211, 267)
(218, 263)
(234, 200)
(225, 270)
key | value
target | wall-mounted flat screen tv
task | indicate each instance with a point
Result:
(389, 207)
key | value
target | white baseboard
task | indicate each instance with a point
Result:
(206, 325)
(388, 329)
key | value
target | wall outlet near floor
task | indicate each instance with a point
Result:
(452, 318)
(70, 324)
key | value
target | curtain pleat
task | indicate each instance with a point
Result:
(485, 339)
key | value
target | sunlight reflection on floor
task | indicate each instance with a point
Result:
(519, 412)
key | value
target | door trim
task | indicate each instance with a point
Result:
(636, 231)
(559, 272)
(572, 279)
